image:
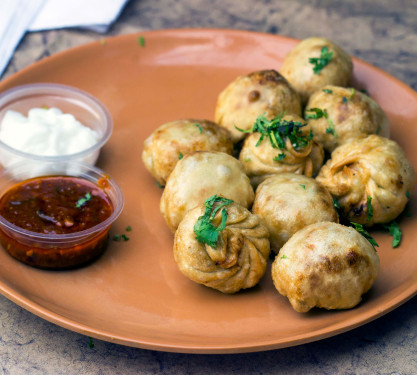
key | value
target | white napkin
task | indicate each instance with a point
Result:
(19, 16)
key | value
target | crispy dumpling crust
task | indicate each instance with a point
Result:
(238, 262)
(263, 92)
(297, 69)
(352, 113)
(288, 202)
(199, 175)
(162, 148)
(325, 265)
(372, 169)
(259, 162)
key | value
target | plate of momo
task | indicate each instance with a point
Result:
(270, 193)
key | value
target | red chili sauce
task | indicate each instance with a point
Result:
(55, 205)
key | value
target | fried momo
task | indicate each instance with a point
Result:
(289, 202)
(350, 114)
(199, 175)
(261, 161)
(325, 265)
(303, 76)
(371, 179)
(247, 97)
(167, 144)
(237, 262)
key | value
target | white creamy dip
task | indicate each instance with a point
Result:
(46, 132)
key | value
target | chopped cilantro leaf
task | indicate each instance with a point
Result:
(277, 131)
(320, 62)
(199, 127)
(363, 232)
(344, 100)
(331, 129)
(395, 231)
(317, 113)
(90, 342)
(327, 91)
(128, 228)
(247, 160)
(336, 204)
(120, 237)
(83, 200)
(279, 157)
(370, 209)
(352, 93)
(407, 194)
(204, 229)
(303, 186)
(159, 185)
(141, 41)
(180, 155)
(284, 257)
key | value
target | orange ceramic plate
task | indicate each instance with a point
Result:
(134, 294)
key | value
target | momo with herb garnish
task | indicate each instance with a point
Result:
(343, 115)
(370, 178)
(264, 92)
(222, 245)
(325, 265)
(283, 144)
(314, 63)
(175, 139)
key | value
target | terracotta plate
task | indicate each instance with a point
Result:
(134, 294)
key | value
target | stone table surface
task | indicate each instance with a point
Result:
(381, 32)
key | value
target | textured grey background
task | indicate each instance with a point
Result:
(382, 33)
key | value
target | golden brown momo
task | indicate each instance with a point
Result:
(371, 179)
(171, 141)
(314, 63)
(263, 160)
(247, 97)
(199, 175)
(350, 114)
(325, 265)
(288, 202)
(239, 258)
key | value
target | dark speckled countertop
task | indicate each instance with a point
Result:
(381, 32)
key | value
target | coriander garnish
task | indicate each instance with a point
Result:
(90, 342)
(204, 230)
(394, 231)
(180, 155)
(320, 62)
(128, 228)
(278, 130)
(352, 93)
(141, 41)
(303, 186)
(120, 237)
(247, 160)
(370, 209)
(328, 91)
(280, 157)
(199, 127)
(83, 200)
(318, 113)
(284, 257)
(407, 194)
(344, 100)
(363, 232)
